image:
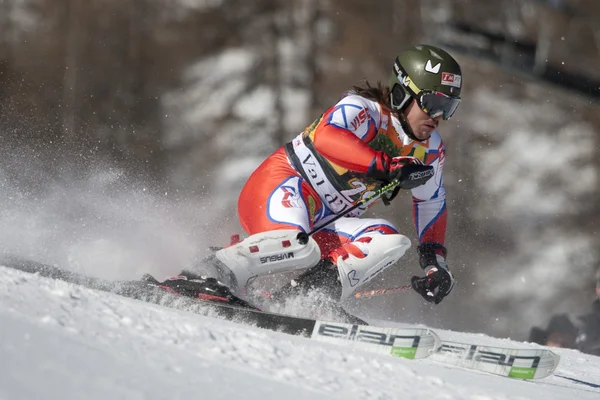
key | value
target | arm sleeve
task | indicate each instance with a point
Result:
(429, 202)
(345, 131)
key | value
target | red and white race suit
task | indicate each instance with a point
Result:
(322, 172)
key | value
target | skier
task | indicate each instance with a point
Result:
(373, 136)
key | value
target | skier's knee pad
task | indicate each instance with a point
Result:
(267, 253)
(366, 257)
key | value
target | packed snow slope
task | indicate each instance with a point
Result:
(58, 340)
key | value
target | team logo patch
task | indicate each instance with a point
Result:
(431, 68)
(291, 197)
(449, 79)
(362, 116)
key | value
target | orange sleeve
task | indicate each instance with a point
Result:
(343, 148)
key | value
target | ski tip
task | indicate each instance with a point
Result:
(149, 279)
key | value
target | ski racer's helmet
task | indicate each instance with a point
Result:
(429, 75)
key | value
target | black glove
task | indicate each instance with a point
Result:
(438, 280)
(410, 171)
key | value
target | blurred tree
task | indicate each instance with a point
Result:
(310, 26)
(73, 35)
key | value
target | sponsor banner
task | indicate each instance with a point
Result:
(318, 180)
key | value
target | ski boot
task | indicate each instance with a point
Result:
(198, 287)
(323, 276)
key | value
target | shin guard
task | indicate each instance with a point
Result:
(267, 253)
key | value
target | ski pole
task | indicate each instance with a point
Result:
(378, 292)
(303, 236)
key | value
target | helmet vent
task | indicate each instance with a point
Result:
(436, 55)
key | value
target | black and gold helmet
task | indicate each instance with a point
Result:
(429, 75)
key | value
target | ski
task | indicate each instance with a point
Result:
(411, 343)
(140, 290)
(518, 363)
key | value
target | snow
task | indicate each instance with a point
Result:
(103, 224)
(59, 340)
(199, 4)
(212, 86)
(19, 14)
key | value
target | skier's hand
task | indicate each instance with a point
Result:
(410, 171)
(438, 280)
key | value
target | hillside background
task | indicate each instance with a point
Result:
(128, 128)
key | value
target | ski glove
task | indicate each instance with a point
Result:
(438, 280)
(410, 171)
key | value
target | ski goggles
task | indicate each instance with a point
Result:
(435, 104)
